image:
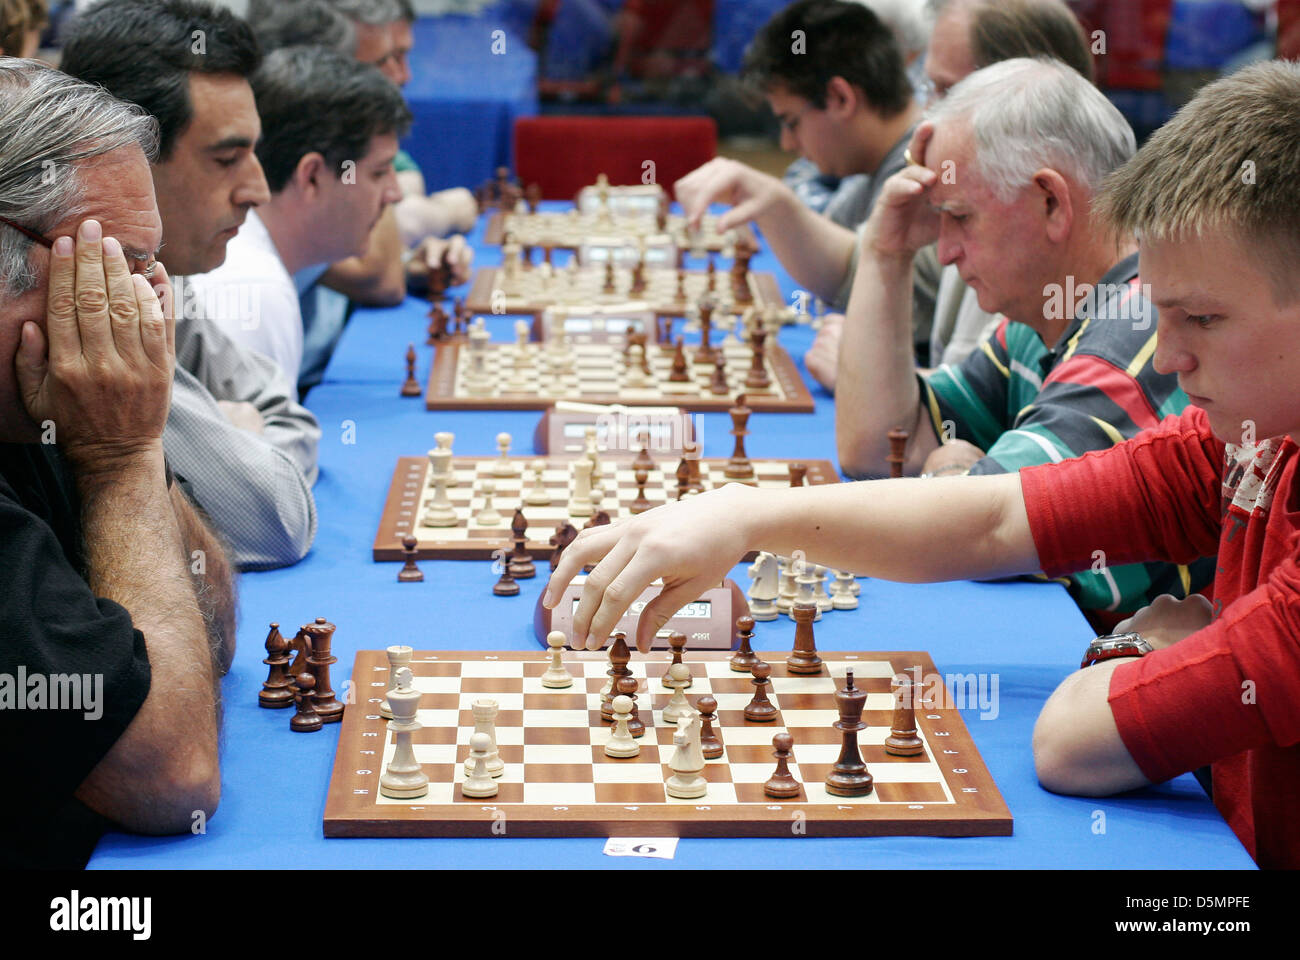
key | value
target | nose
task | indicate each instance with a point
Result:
(392, 190)
(403, 71)
(1171, 356)
(252, 189)
(947, 248)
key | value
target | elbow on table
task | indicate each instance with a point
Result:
(284, 537)
(1063, 759)
(188, 793)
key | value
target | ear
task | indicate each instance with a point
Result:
(309, 174)
(1057, 205)
(842, 98)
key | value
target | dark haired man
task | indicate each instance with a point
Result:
(236, 435)
(330, 131)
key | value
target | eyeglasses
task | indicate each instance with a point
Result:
(44, 241)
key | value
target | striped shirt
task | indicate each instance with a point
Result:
(1026, 404)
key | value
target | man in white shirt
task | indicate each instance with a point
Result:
(330, 131)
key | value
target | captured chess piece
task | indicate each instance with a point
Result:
(409, 573)
(403, 779)
(743, 660)
(277, 689)
(410, 386)
(306, 719)
(897, 452)
(902, 740)
(849, 776)
(803, 658)
(319, 636)
(782, 785)
(760, 709)
(520, 562)
(506, 586)
(710, 745)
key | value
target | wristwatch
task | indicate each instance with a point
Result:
(1115, 645)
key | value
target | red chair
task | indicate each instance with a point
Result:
(565, 154)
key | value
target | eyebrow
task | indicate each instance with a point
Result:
(232, 142)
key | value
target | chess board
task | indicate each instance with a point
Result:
(559, 783)
(411, 490)
(599, 374)
(492, 292)
(569, 230)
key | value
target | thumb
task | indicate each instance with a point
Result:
(742, 212)
(31, 363)
(661, 609)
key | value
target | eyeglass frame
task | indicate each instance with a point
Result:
(149, 268)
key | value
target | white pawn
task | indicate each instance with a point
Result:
(786, 589)
(538, 495)
(556, 677)
(680, 678)
(478, 782)
(687, 762)
(621, 742)
(485, 714)
(822, 598)
(502, 467)
(842, 588)
(403, 779)
(489, 516)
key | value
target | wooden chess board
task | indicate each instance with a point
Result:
(569, 230)
(559, 783)
(599, 372)
(529, 293)
(411, 491)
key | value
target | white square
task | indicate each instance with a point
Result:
(437, 684)
(861, 668)
(751, 736)
(560, 794)
(557, 753)
(490, 668)
(808, 718)
(438, 719)
(628, 772)
(555, 718)
(431, 753)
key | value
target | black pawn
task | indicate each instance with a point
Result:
(743, 660)
(306, 719)
(760, 709)
(782, 785)
(409, 573)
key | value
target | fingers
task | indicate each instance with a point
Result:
(921, 140)
(155, 340)
(165, 293)
(31, 364)
(91, 296)
(605, 598)
(588, 548)
(661, 609)
(61, 303)
(124, 315)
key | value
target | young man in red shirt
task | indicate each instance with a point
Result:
(1213, 198)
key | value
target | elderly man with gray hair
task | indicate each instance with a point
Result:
(1003, 173)
(116, 614)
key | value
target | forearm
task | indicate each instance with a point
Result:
(907, 530)
(813, 249)
(875, 384)
(135, 556)
(377, 278)
(213, 580)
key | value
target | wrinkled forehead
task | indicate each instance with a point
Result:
(951, 154)
(117, 190)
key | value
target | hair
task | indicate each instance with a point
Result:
(50, 126)
(1192, 178)
(374, 12)
(1006, 29)
(907, 20)
(17, 18)
(840, 39)
(1026, 114)
(143, 51)
(292, 23)
(315, 100)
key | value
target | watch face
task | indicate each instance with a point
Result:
(1122, 645)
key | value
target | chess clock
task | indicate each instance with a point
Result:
(660, 251)
(636, 200)
(600, 324)
(709, 622)
(563, 430)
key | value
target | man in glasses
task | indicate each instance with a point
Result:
(116, 611)
(243, 446)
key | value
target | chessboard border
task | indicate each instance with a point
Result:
(479, 299)
(494, 235)
(349, 814)
(440, 394)
(393, 525)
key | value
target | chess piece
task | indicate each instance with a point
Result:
(687, 762)
(305, 720)
(398, 656)
(678, 706)
(409, 573)
(804, 659)
(410, 386)
(565, 534)
(580, 494)
(897, 452)
(520, 561)
(485, 715)
(757, 378)
(506, 586)
(849, 776)
(319, 635)
(797, 473)
(739, 466)
(718, 382)
(626, 686)
(710, 745)
(805, 589)
(760, 709)
(538, 495)
(403, 779)
(556, 676)
(782, 785)
(277, 689)
(842, 591)
(786, 586)
(902, 740)
(440, 512)
(442, 441)
(683, 477)
(643, 461)
(704, 353)
(621, 742)
(478, 782)
(488, 516)
(820, 596)
(502, 466)
(677, 644)
(763, 591)
(679, 371)
(619, 657)
(743, 660)
(640, 504)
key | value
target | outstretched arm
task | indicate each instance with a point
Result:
(908, 530)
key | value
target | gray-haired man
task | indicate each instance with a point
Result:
(116, 615)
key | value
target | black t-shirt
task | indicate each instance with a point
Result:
(73, 670)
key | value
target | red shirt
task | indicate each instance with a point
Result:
(1229, 694)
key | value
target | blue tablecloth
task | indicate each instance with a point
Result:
(1026, 637)
(465, 97)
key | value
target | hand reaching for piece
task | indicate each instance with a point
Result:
(690, 543)
(749, 192)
